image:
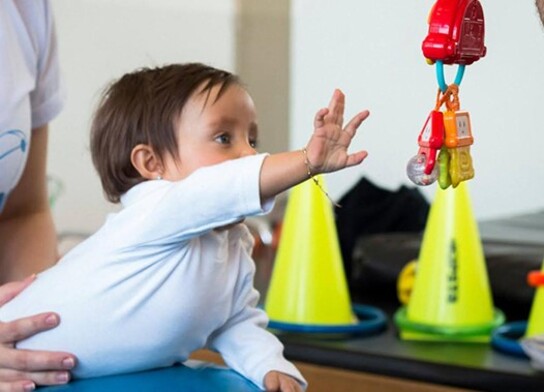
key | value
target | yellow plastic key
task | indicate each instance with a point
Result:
(460, 165)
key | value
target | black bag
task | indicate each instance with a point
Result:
(367, 209)
(380, 231)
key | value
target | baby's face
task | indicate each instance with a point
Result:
(214, 131)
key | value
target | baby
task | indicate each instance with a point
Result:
(172, 271)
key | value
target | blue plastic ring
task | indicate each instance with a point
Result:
(371, 320)
(506, 338)
(440, 75)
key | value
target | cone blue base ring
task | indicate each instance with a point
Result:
(371, 320)
(401, 319)
(506, 338)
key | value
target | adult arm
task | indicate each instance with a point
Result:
(28, 242)
(21, 370)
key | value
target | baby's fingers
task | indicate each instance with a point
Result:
(356, 158)
(319, 119)
(336, 108)
(289, 385)
(355, 122)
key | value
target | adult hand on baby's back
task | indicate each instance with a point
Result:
(22, 370)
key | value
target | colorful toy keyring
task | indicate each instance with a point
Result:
(506, 338)
(401, 319)
(371, 320)
(440, 75)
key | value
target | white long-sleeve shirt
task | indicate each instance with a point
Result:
(157, 282)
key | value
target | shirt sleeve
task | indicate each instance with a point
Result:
(211, 197)
(245, 344)
(47, 98)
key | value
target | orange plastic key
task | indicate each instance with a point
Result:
(457, 129)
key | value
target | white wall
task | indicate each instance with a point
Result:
(371, 50)
(99, 40)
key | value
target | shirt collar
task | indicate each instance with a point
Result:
(137, 192)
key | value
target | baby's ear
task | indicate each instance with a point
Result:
(147, 162)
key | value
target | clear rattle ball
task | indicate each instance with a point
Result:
(415, 169)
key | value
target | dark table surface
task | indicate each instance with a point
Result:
(464, 365)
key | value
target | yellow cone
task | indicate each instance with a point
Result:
(308, 284)
(535, 324)
(451, 290)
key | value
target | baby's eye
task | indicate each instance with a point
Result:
(223, 139)
(253, 143)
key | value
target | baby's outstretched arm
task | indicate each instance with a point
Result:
(327, 151)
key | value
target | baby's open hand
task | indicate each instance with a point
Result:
(280, 382)
(327, 150)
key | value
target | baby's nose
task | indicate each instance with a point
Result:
(247, 150)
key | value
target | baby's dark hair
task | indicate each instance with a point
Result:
(143, 107)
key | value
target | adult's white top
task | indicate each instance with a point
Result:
(30, 87)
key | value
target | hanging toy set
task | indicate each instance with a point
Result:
(450, 298)
(456, 36)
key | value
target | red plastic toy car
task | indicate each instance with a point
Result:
(456, 32)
